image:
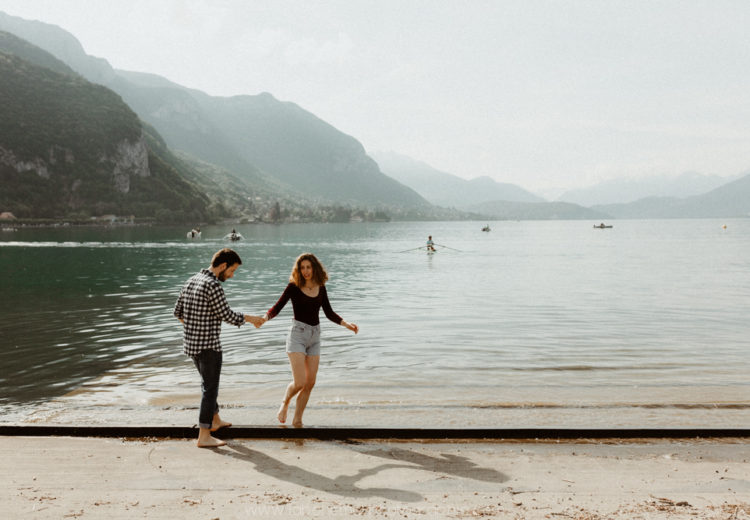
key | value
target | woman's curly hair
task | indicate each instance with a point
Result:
(320, 275)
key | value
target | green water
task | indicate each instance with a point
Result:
(534, 322)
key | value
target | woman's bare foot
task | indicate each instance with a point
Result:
(297, 423)
(205, 440)
(281, 415)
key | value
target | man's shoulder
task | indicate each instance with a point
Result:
(211, 283)
(202, 277)
(205, 274)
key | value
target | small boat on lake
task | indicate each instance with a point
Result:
(233, 236)
(486, 228)
(194, 233)
(602, 226)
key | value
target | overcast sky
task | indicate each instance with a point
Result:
(543, 94)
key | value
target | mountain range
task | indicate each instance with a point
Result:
(273, 144)
(100, 140)
(445, 189)
(705, 195)
(480, 196)
(728, 200)
(625, 190)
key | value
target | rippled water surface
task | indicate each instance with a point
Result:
(532, 324)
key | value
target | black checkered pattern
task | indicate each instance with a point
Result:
(202, 306)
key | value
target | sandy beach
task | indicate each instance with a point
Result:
(64, 477)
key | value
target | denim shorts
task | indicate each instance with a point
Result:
(303, 338)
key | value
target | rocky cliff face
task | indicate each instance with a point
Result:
(37, 165)
(130, 159)
(58, 155)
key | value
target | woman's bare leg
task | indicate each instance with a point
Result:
(311, 372)
(297, 362)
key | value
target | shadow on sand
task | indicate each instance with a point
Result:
(343, 485)
(346, 485)
(447, 463)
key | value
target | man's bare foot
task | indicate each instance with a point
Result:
(297, 423)
(205, 440)
(219, 423)
(211, 442)
(281, 415)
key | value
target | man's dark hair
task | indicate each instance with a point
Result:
(225, 255)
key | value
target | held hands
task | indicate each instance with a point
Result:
(257, 321)
(351, 326)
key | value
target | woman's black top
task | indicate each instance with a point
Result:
(306, 308)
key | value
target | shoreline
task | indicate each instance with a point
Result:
(103, 403)
(56, 477)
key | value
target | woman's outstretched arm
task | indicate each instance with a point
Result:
(328, 310)
(273, 311)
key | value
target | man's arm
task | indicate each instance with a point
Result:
(218, 304)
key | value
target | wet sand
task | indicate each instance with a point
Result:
(344, 405)
(62, 477)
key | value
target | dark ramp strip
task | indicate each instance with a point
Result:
(339, 433)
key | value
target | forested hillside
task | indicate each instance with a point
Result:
(72, 148)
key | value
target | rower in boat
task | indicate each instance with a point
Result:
(233, 236)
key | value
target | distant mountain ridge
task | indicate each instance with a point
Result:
(624, 190)
(506, 210)
(16, 46)
(445, 189)
(482, 195)
(60, 43)
(730, 200)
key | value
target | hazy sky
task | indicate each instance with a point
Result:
(543, 94)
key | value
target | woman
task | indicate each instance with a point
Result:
(308, 293)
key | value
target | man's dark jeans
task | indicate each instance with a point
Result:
(208, 363)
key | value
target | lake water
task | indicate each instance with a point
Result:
(534, 324)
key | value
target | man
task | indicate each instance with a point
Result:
(430, 244)
(201, 307)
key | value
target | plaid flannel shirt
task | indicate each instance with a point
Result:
(202, 306)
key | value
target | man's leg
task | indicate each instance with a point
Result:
(208, 364)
